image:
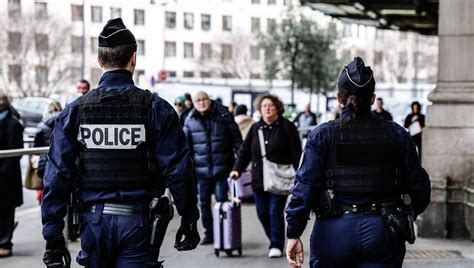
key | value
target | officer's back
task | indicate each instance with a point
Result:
(130, 145)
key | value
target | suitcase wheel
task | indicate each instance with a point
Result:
(228, 253)
(216, 252)
(239, 250)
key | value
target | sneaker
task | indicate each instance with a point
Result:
(207, 240)
(274, 253)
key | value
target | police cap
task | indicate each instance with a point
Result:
(357, 79)
(115, 34)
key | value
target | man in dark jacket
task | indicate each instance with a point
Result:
(213, 137)
(11, 137)
(380, 112)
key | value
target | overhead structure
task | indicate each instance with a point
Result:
(419, 16)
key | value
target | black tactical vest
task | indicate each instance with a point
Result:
(363, 158)
(116, 150)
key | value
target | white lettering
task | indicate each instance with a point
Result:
(98, 136)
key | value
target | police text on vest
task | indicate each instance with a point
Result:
(98, 136)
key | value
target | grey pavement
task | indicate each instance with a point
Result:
(29, 245)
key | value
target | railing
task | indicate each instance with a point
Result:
(43, 150)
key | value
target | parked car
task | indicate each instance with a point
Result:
(31, 109)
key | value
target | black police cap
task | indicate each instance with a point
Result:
(357, 78)
(115, 34)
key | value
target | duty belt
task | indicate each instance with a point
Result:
(115, 209)
(366, 207)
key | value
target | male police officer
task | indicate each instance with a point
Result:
(130, 144)
(353, 173)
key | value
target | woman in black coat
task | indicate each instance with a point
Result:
(11, 196)
(418, 119)
(283, 146)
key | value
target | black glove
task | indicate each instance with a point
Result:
(191, 237)
(56, 255)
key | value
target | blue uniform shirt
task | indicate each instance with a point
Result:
(310, 176)
(172, 154)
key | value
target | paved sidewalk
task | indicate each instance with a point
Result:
(29, 245)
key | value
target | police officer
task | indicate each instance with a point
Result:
(353, 173)
(130, 145)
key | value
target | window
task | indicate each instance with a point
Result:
(41, 42)
(41, 75)
(255, 76)
(170, 49)
(139, 17)
(172, 74)
(205, 22)
(14, 42)
(188, 50)
(206, 52)
(14, 73)
(41, 10)
(255, 1)
(96, 73)
(270, 53)
(14, 8)
(255, 25)
(226, 75)
(205, 74)
(188, 74)
(226, 51)
(94, 45)
(188, 21)
(272, 2)
(96, 14)
(77, 12)
(115, 12)
(141, 47)
(271, 25)
(227, 23)
(254, 52)
(170, 18)
(76, 44)
(139, 77)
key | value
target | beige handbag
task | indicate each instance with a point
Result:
(32, 180)
(277, 178)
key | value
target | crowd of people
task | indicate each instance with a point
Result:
(199, 145)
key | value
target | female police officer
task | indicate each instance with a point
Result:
(353, 172)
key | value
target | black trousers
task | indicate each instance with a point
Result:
(7, 224)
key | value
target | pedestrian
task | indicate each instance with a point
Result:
(188, 101)
(306, 118)
(214, 138)
(130, 145)
(415, 122)
(82, 87)
(11, 137)
(45, 128)
(381, 112)
(232, 106)
(353, 172)
(282, 146)
(244, 121)
(181, 109)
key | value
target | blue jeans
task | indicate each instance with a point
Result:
(354, 240)
(270, 211)
(115, 241)
(207, 187)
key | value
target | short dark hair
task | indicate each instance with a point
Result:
(241, 109)
(116, 57)
(380, 99)
(84, 81)
(276, 101)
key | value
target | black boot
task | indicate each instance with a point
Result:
(207, 240)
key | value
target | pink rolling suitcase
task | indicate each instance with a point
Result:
(244, 190)
(227, 221)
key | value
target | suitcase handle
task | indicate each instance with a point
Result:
(234, 196)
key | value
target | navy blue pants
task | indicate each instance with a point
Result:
(207, 187)
(270, 211)
(354, 240)
(115, 241)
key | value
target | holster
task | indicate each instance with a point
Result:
(398, 223)
(161, 213)
(325, 205)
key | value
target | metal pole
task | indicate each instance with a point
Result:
(20, 152)
(83, 58)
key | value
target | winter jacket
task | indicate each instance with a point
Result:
(283, 147)
(42, 139)
(213, 138)
(11, 137)
(244, 122)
